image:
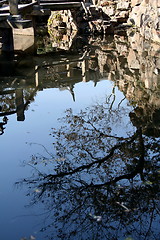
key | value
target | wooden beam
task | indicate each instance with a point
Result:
(7, 113)
(59, 1)
(2, 2)
(60, 5)
(7, 92)
(22, 8)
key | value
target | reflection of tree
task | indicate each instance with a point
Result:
(102, 181)
(148, 118)
(2, 124)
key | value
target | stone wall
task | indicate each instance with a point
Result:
(117, 10)
(144, 14)
(105, 17)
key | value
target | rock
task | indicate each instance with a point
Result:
(133, 62)
(122, 16)
(123, 5)
(146, 16)
(135, 2)
(110, 11)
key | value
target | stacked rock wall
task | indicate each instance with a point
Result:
(117, 10)
(103, 16)
(144, 14)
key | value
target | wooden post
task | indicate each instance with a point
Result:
(20, 105)
(13, 5)
(85, 70)
(7, 40)
(36, 75)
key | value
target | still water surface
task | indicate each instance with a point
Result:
(112, 92)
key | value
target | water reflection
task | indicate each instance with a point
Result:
(102, 179)
(101, 183)
(129, 61)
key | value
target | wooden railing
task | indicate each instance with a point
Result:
(15, 6)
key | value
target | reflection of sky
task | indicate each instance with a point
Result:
(39, 119)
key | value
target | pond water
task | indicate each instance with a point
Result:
(79, 141)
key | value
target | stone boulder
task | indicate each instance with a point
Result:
(145, 15)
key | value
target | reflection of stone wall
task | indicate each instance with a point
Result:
(143, 65)
(134, 66)
(145, 14)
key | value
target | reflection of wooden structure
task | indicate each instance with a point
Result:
(18, 103)
(72, 68)
(66, 73)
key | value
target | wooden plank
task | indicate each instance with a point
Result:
(60, 5)
(4, 9)
(27, 8)
(3, 16)
(58, 1)
(7, 113)
(21, 7)
(7, 92)
(2, 2)
(24, 8)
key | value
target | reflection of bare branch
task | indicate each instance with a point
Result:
(121, 102)
(84, 188)
(151, 221)
(138, 168)
(38, 144)
(103, 134)
(37, 170)
(123, 206)
(89, 153)
(114, 98)
(98, 162)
